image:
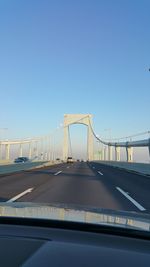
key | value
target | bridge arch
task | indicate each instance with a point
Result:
(85, 119)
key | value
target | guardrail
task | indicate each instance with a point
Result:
(142, 168)
(16, 167)
(139, 143)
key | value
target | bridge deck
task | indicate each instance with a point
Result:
(81, 183)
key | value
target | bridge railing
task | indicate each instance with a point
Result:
(128, 145)
(44, 148)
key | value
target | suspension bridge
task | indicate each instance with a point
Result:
(104, 180)
(57, 145)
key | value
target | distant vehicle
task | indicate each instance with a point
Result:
(69, 160)
(21, 160)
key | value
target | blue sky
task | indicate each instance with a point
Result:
(80, 56)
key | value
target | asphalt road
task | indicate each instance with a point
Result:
(90, 184)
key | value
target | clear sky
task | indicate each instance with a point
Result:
(79, 56)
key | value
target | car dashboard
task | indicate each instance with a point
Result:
(34, 242)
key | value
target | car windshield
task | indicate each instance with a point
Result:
(75, 112)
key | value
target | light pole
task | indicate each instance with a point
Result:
(98, 150)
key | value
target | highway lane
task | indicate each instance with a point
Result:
(90, 184)
(136, 185)
(15, 183)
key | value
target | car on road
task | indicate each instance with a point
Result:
(21, 160)
(69, 160)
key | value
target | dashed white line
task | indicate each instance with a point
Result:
(131, 199)
(57, 173)
(68, 167)
(100, 173)
(20, 195)
(93, 167)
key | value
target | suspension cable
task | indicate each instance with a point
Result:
(113, 139)
(129, 136)
(100, 140)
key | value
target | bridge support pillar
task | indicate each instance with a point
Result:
(110, 153)
(105, 154)
(65, 145)
(0, 151)
(30, 150)
(90, 144)
(117, 153)
(129, 151)
(20, 152)
(85, 119)
(36, 152)
(7, 147)
(102, 154)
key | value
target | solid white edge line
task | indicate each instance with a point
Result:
(131, 199)
(100, 173)
(20, 195)
(57, 173)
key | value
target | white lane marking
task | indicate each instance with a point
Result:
(68, 167)
(93, 167)
(20, 195)
(57, 173)
(131, 199)
(100, 173)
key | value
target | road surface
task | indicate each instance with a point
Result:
(91, 184)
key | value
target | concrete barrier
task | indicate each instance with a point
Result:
(16, 167)
(142, 168)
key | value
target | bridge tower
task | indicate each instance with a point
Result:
(85, 119)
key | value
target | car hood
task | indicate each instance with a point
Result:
(76, 213)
